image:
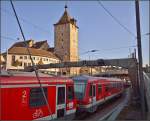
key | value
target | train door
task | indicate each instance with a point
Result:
(93, 98)
(61, 101)
(99, 92)
(93, 92)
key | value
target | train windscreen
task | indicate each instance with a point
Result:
(79, 90)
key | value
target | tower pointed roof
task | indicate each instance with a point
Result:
(66, 18)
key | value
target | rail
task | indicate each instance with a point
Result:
(112, 115)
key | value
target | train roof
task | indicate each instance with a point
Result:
(21, 73)
(86, 78)
(13, 77)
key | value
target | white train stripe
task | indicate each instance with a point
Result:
(99, 101)
(70, 111)
(47, 117)
(23, 85)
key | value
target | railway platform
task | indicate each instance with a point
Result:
(131, 111)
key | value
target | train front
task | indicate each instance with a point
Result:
(80, 87)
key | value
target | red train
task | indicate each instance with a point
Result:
(22, 98)
(93, 91)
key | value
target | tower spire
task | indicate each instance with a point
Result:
(66, 7)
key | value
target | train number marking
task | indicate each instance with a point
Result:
(24, 96)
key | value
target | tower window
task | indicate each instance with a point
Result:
(62, 47)
(62, 34)
(62, 40)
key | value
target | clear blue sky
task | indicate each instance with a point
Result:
(97, 30)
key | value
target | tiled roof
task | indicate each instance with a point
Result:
(39, 44)
(20, 44)
(51, 49)
(66, 19)
(33, 51)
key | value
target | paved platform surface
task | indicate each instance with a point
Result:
(131, 111)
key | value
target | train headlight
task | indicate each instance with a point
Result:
(90, 100)
(70, 105)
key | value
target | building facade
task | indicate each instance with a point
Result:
(65, 48)
(2, 62)
(66, 41)
(17, 57)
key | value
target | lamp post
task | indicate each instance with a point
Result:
(140, 60)
(87, 52)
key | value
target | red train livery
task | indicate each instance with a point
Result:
(93, 91)
(22, 98)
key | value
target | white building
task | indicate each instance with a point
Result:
(2, 61)
(17, 58)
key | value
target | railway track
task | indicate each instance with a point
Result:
(104, 111)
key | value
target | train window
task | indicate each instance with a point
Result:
(94, 90)
(113, 86)
(79, 90)
(36, 97)
(70, 93)
(61, 95)
(116, 85)
(119, 85)
(90, 91)
(99, 89)
(107, 87)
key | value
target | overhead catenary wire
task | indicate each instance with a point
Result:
(34, 67)
(8, 38)
(115, 19)
(110, 49)
(26, 21)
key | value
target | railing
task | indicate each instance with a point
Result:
(147, 92)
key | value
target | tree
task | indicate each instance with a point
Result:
(40, 62)
(16, 63)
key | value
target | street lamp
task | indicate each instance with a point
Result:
(87, 52)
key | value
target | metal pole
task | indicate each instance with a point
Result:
(141, 79)
(90, 67)
(134, 53)
(149, 45)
